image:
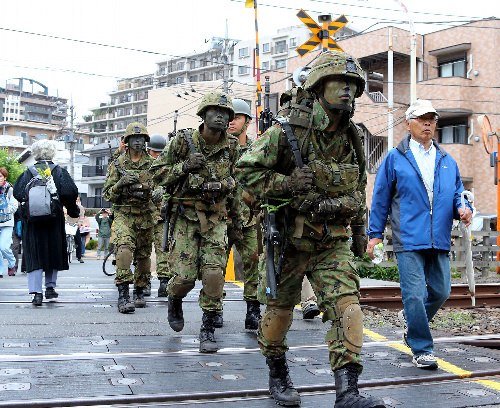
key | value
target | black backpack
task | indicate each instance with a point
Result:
(40, 204)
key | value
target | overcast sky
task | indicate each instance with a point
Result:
(85, 73)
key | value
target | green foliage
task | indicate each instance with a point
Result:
(91, 245)
(367, 269)
(9, 161)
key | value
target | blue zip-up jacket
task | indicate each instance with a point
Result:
(400, 193)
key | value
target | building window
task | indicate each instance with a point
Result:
(265, 66)
(242, 70)
(243, 52)
(192, 64)
(453, 132)
(180, 66)
(193, 78)
(452, 69)
(179, 80)
(266, 47)
(293, 42)
(280, 47)
(280, 64)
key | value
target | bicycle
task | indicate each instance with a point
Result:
(70, 239)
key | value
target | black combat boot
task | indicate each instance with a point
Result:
(162, 290)
(218, 320)
(207, 338)
(280, 384)
(139, 300)
(147, 290)
(175, 314)
(346, 390)
(124, 303)
(253, 315)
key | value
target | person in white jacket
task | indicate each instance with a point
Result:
(8, 206)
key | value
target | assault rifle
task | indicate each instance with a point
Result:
(272, 239)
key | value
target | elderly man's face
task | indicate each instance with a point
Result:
(422, 128)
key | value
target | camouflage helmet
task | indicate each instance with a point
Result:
(241, 108)
(335, 63)
(157, 143)
(135, 128)
(219, 99)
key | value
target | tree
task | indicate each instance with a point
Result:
(9, 161)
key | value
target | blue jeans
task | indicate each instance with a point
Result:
(425, 281)
(5, 251)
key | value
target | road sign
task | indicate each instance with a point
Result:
(322, 34)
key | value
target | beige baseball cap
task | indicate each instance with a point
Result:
(420, 107)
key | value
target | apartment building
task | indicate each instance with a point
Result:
(456, 69)
(127, 103)
(27, 110)
(211, 64)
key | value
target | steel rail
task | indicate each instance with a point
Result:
(389, 297)
(224, 395)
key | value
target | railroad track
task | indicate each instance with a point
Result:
(385, 297)
(237, 397)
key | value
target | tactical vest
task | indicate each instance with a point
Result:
(214, 181)
(331, 178)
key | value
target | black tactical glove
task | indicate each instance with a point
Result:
(359, 240)
(157, 195)
(328, 206)
(193, 163)
(127, 180)
(300, 181)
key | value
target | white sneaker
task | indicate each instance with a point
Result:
(402, 320)
(426, 361)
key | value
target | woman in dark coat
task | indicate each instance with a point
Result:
(44, 242)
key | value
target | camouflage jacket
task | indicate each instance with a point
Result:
(122, 199)
(189, 189)
(245, 200)
(338, 171)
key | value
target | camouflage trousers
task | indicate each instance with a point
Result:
(161, 255)
(128, 231)
(198, 255)
(248, 250)
(332, 274)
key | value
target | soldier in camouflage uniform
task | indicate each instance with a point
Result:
(246, 247)
(325, 206)
(155, 147)
(128, 186)
(197, 171)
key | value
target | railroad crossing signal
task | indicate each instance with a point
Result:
(320, 34)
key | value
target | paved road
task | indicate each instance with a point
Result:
(79, 350)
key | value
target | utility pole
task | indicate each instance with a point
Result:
(227, 44)
(72, 144)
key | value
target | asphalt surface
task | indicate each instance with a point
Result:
(78, 350)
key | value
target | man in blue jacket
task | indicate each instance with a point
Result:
(418, 185)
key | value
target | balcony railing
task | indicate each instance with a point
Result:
(94, 171)
(376, 149)
(95, 202)
(377, 97)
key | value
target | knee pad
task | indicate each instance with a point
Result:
(275, 323)
(144, 265)
(124, 257)
(213, 282)
(347, 326)
(180, 287)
